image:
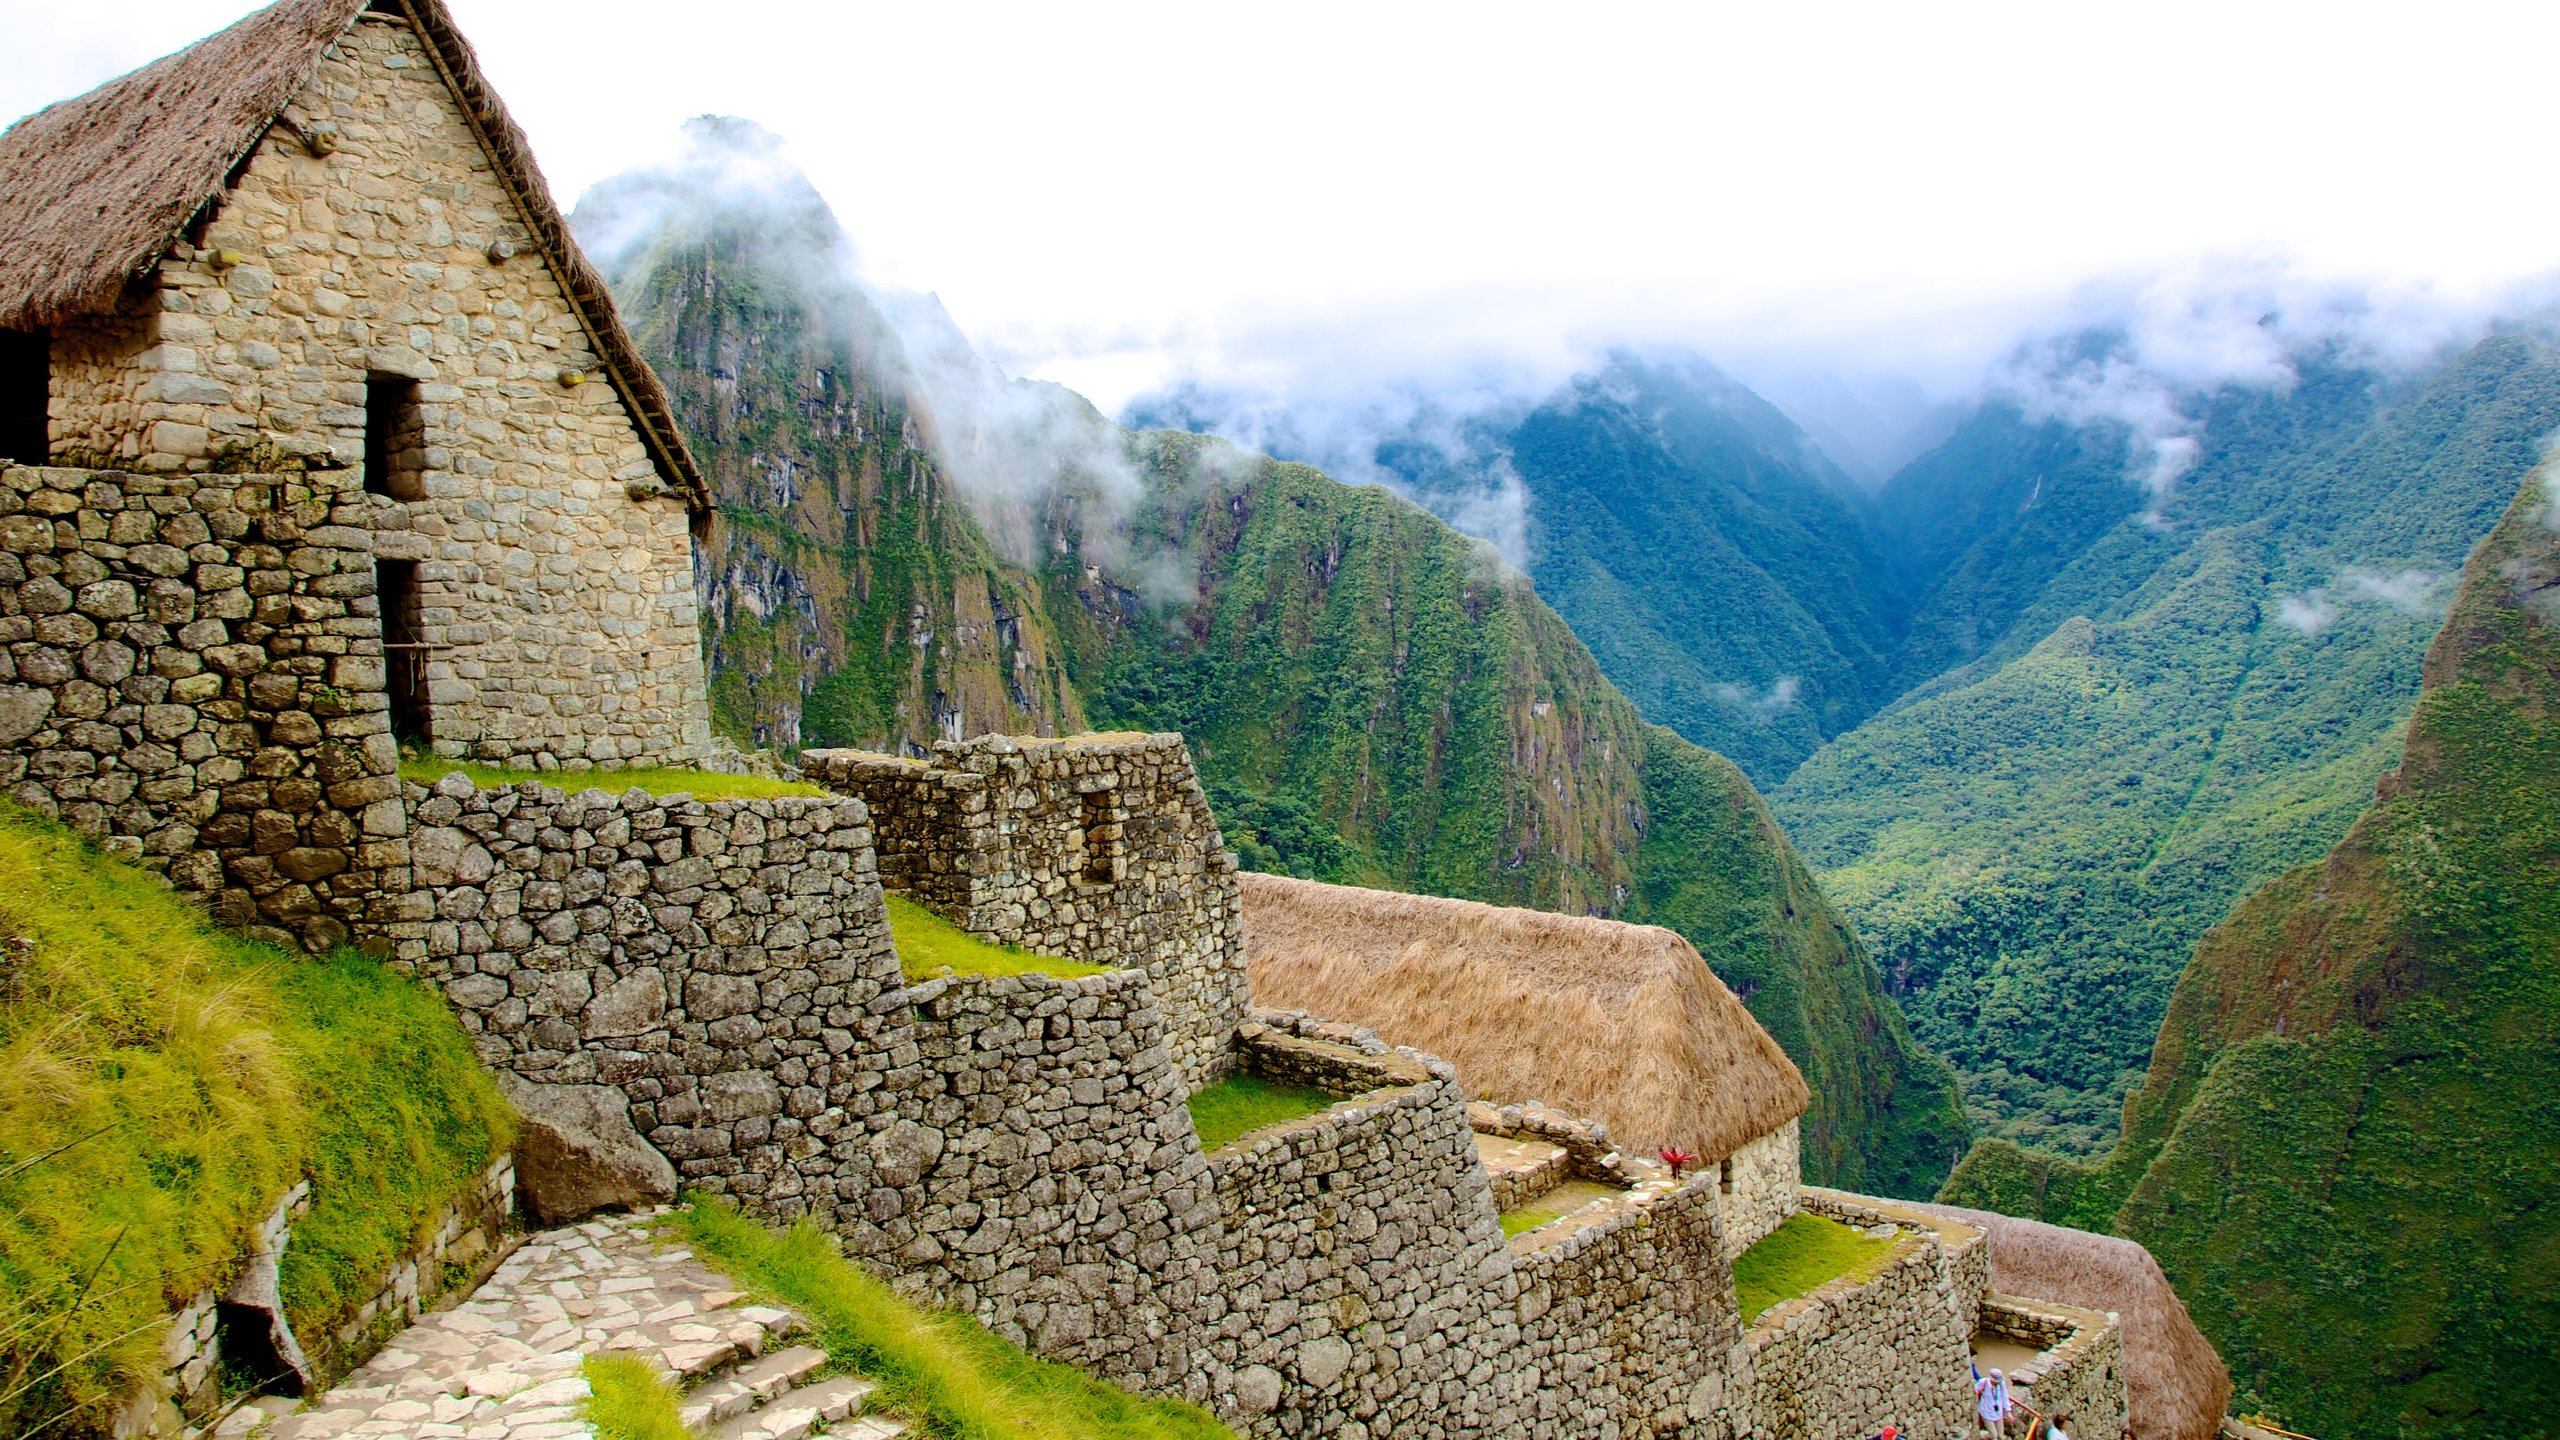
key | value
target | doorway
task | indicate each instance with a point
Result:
(395, 588)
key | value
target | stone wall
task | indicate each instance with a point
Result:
(191, 674)
(555, 574)
(1967, 1249)
(720, 962)
(1757, 1186)
(1098, 848)
(1856, 1355)
(1365, 1289)
(2078, 1370)
(1629, 1327)
(1043, 1174)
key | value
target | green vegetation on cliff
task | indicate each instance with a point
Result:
(1719, 567)
(2346, 1144)
(1373, 699)
(162, 1086)
(848, 595)
(2033, 843)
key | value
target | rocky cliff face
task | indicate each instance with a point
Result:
(849, 596)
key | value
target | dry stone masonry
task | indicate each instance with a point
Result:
(2078, 1368)
(552, 572)
(191, 674)
(1098, 848)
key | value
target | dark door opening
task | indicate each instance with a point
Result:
(395, 588)
(395, 438)
(26, 396)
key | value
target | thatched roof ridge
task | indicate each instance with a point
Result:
(2176, 1387)
(95, 189)
(1622, 1023)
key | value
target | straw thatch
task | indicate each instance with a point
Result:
(1622, 1023)
(94, 190)
(2175, 1385)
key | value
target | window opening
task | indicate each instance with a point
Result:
(395, 438)
(26, 396)
(395, 588)
(1098, 834)
(1724, 1176)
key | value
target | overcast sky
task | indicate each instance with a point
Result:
(1117, 195)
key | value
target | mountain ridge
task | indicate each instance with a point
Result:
(2352, 1111)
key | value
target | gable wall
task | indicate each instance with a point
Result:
(550, 561)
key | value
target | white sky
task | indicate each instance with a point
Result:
(1113, 195)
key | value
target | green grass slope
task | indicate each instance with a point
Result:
(162, 1085)
(2034, 843)
(2347, 1143)
(1374, 700)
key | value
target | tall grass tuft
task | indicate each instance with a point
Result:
(630, 1398)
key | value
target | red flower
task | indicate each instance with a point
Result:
(1677, 1158)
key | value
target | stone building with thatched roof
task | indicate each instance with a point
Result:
(1622, 1023)
(314, 243)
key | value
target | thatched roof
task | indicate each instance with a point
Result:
(2175, 1385)
(1623, 1023)
(94, 190)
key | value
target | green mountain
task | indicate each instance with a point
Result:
(2155, 725)
(1374, 699)
(849, 598)
(1372, 696)
(2347, 1142)
(1721, 568)
(1717, 564)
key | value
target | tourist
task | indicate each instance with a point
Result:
(2053, 1428)
(1991, 1402)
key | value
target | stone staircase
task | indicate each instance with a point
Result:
(505, 1364)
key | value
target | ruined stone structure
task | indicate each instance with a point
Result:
(1099, 848)
(385, 463)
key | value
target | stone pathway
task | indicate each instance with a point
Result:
(504, 1364)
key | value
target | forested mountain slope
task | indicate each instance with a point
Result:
(1374, 699)
(849, 598)
(1720, 567)
(2033, 842)
(1717, 564)
(1372, 696)
(2349, 1135)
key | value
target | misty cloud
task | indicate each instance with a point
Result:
(2310, 612)
(1009, 446)
(2409, 592)
(1778, 699)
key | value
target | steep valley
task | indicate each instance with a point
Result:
(2035, 839)
(1371, 696)
(2344, 1147)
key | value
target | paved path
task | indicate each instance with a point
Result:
(503, 1365)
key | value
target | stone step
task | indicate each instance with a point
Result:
(741, 1390)
(867, 1427)
(799, 1414)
